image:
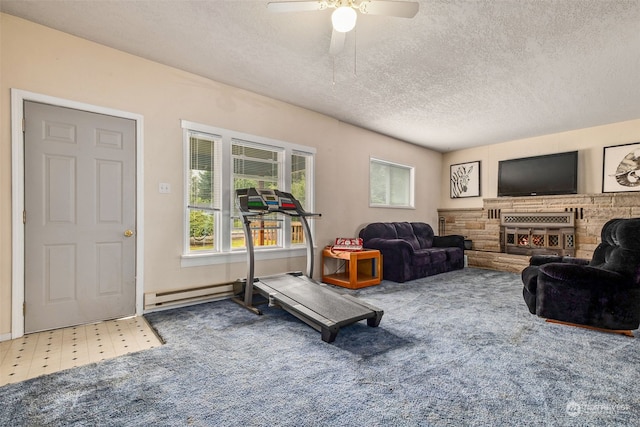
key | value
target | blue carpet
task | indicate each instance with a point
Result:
(458, 348)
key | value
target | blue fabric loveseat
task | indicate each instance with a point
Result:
(410, 250)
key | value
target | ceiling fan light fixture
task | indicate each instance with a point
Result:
(344, 19)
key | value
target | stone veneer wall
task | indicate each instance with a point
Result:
(482, 225)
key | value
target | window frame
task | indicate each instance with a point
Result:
(411, 189)
(224, 253)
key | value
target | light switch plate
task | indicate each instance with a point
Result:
(164, 188)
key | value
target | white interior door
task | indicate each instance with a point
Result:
(80, 217)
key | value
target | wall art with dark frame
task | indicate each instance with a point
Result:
(621, 168)
(465, 180)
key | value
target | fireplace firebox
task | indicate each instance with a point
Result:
(538, 233)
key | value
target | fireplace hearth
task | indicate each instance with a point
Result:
(538, 233)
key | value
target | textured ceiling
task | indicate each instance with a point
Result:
(460, 74)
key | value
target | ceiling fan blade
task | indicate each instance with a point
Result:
(337, 42)
(401, 9)
(296, 6)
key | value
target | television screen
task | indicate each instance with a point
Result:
(539, 175)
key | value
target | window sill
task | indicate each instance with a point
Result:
(197, 260)
(392, 206)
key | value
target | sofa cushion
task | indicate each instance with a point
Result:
(454, 255)
(437, 255)
(619, 248)
(405, 232)
(424, 234)
(421, 257)
(383, 230)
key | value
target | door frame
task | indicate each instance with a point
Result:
(18, 97)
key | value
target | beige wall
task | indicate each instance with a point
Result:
(37, 59)
(589, 143)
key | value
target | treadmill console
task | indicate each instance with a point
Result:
(262, 200)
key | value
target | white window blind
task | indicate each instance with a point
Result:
(203, 190)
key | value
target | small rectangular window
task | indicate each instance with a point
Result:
(390, 184)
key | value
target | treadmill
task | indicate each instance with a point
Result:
(315, 303)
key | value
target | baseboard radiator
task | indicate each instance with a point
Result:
(165, 299)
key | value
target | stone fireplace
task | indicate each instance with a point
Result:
(538, 233)
(483, 227)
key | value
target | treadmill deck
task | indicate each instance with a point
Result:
(317, 304)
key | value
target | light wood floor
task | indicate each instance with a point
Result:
(51, 351)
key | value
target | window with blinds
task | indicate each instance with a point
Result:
(257, 166)
(301, 164)
(203, 190)
(220, 161)
(390, 184)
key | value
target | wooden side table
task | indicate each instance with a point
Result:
(361, 269)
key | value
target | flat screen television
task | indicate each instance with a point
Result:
(539, 175)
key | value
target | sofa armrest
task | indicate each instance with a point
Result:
(451, 241)
(582, 276)
(397, 257)
(576, 261)
(547, 259)
(544, 259)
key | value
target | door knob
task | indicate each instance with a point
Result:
(128, 233)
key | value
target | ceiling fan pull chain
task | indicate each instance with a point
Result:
(333, 69)
(355, 52)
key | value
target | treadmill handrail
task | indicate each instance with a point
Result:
(247, 213)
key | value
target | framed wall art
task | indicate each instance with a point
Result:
(465, 180)
(621, 168)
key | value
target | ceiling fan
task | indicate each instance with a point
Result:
(345, 14)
